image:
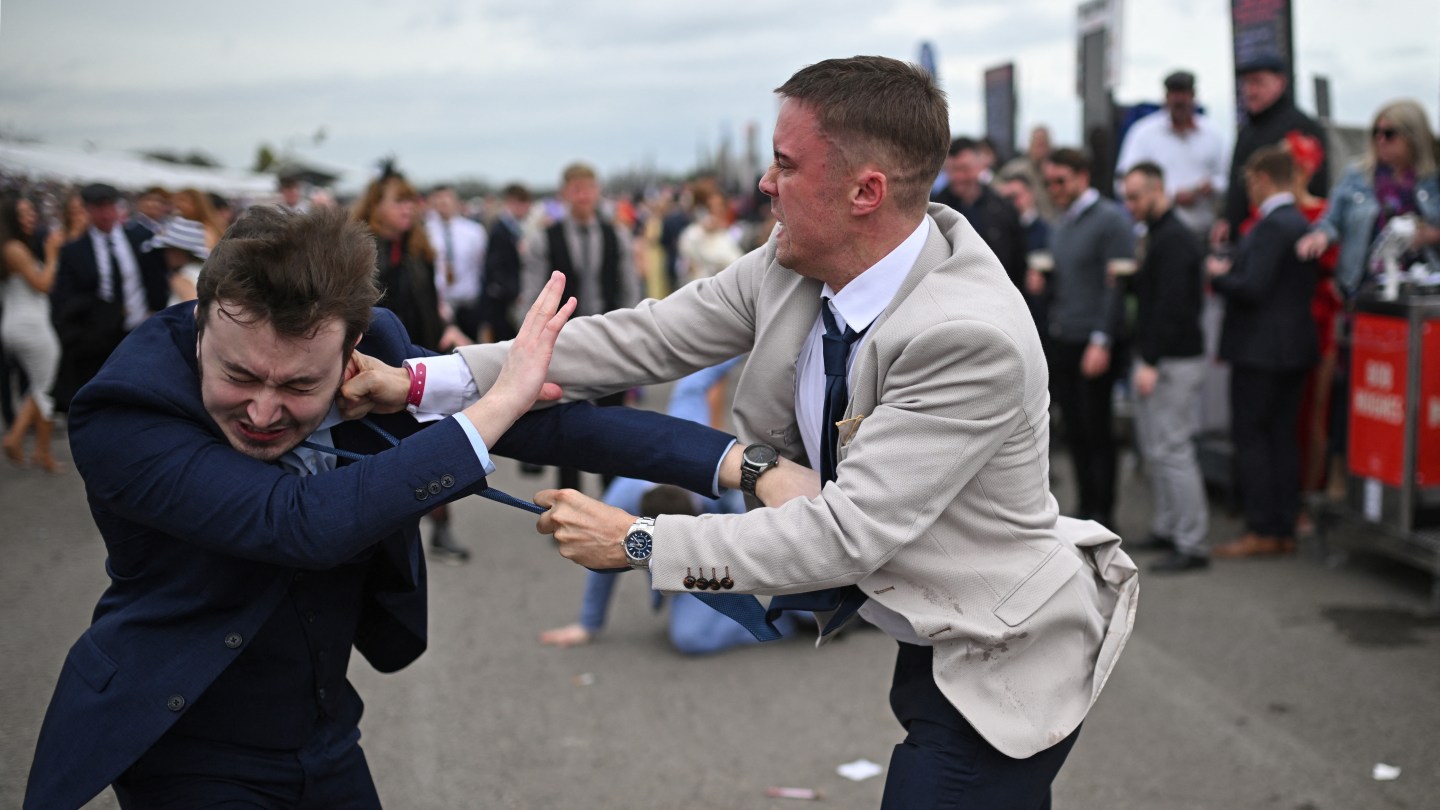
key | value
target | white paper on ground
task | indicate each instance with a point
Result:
(1385, 773)
(859, 770)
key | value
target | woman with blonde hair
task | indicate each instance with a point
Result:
(195, 206)
(25, 327)
(1397, 177)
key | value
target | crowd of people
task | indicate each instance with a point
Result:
(1121, 294)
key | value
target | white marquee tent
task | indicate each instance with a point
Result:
(127, 172)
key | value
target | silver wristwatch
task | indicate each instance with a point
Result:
(639, 542)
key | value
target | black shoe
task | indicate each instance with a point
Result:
(1178, 562)
(444, 548)
(1152, 542)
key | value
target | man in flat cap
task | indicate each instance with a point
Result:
(1270, 115)
(1188, 148)
(103, 289)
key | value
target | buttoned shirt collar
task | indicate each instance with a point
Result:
(866, 296)
(1082, 204)
(1275, 201)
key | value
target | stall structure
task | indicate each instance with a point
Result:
(1393, 452)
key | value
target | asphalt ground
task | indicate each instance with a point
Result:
(1256, 684)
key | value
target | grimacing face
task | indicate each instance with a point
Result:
(808, 192)
(266, 391)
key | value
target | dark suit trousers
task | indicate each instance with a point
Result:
(1087, 410)
(1264, 410)
(181, 773)
(945, 763)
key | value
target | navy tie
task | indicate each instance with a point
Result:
(842, 602)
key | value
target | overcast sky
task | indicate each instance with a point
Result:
(514, 89)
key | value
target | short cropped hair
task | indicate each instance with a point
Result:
(1274, 162)
(872, 108)
(963, 144)
(1072, 159)
(1150, 170)
(578, 171)
(516, 192)
(294, 271)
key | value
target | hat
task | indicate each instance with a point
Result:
(182, 234)
(99, 193)
(1180, 81)
(1265, 61)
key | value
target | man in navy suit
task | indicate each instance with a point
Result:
(1269, 341)
(246, 560)
(105, 286)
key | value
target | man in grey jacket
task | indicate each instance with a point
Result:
(1086, 322)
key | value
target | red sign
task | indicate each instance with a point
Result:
(1378, 375)
(1427, 439)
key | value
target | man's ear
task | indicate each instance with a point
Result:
(869, 193)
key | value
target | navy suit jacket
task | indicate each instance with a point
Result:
(1267, 293)
(204, 541)
(89, 327)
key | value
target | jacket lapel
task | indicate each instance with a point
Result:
(787, 311)
(863, 385)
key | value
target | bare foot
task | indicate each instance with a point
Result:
(14, 452)
(571, 635)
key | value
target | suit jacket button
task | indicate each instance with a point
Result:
(435, 487)
(421, 494)
(234, 640)
(447, 481)
(175, 703)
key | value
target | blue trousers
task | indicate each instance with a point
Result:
(183, 772)
(945, 763)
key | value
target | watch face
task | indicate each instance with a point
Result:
(760, 454)
(637, 545)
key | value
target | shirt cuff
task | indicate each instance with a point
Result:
(476, 442)
(715, 490)
(449, 387)
(1097, 338)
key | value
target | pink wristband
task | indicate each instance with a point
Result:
(417, 386)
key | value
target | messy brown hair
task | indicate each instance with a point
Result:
(293, 271)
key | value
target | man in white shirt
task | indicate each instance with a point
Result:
(459, 259)
(1188, 147)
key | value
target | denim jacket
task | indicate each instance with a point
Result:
(1350, 219)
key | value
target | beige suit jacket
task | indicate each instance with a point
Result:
(941, 510)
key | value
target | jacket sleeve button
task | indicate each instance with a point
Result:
(421, 494)
(234, 640)
(435, 488)
(175, 703)
(447, 481)
(689, 582)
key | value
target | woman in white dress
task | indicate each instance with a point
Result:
(25, 327)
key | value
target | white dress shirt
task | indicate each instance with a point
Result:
(1187, 158)
(133, 293)
(463, 241)
(856, 306)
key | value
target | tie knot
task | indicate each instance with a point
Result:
(836, 344)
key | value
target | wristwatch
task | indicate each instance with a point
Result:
(756, 459)
(639, 542)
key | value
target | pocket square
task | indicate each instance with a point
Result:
(848, 428)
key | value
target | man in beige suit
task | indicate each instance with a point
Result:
(1009, 617)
